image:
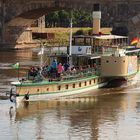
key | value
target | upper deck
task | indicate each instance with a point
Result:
(100, 40)
(101, 44)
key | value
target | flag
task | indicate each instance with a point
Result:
(134, 41)
(16, 65)
(41, 51)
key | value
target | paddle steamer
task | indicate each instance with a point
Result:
(106, 57)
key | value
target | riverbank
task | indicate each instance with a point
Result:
(61, 37)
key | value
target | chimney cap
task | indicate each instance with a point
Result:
(96, 7)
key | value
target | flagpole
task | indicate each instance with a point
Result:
(70, 47)
(41, 55)
(18, 74)
(16, 66)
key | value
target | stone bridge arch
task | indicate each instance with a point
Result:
(20, 14)
(17, 15)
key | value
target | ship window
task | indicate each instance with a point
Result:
(107, 61)
(90, 82)
(73, 85)
(67, 86)
(85, 83)
(59, 87)
(79, 84)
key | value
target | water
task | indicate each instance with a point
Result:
(105, 114)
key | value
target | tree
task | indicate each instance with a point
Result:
(62, 18)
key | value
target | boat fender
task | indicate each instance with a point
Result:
(11, 99)
(26, 96)
(12, 96)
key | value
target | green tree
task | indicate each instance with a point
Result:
(62, 18)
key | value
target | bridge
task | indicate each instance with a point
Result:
(16, 16)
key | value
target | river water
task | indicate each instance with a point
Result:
(104, 114)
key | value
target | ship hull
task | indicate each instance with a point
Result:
(45, 90)
(58, 95)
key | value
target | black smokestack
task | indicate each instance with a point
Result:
(96, 7)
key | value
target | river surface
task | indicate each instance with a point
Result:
(104, 114)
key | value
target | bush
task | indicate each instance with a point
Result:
(79, 32)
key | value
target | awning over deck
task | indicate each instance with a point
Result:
(110, 37)
(102, 36)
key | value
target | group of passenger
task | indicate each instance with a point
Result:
(33, 71)
(54, 70)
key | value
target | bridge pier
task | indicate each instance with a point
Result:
(17, 37)
(2, 21)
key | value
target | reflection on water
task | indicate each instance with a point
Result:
(114, 116)
(105, 114)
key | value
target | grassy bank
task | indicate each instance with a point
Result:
(61, 35)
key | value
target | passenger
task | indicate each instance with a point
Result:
(30, 72)
(95, 66)
(66, 66)
(59, 69)
(80, 68)
(74, 70)
(35, 71)
(54, 65)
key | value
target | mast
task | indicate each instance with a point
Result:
(42, 46)
(70, 43)
(41, 55)
(70, 49)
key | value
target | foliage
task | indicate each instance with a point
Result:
(83, 31)
(62, 18)
(122, 30)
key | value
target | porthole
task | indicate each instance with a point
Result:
(59, 87)
(67, 86)
(107, 61)
(85, 83)
(90, 82)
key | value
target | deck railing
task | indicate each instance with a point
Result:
(66, 75)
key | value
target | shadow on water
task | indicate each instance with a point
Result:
(116, 83)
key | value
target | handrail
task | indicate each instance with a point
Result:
(67, 75)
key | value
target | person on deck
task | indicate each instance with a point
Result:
(54, 65)
(66, 66)
(59, 69)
